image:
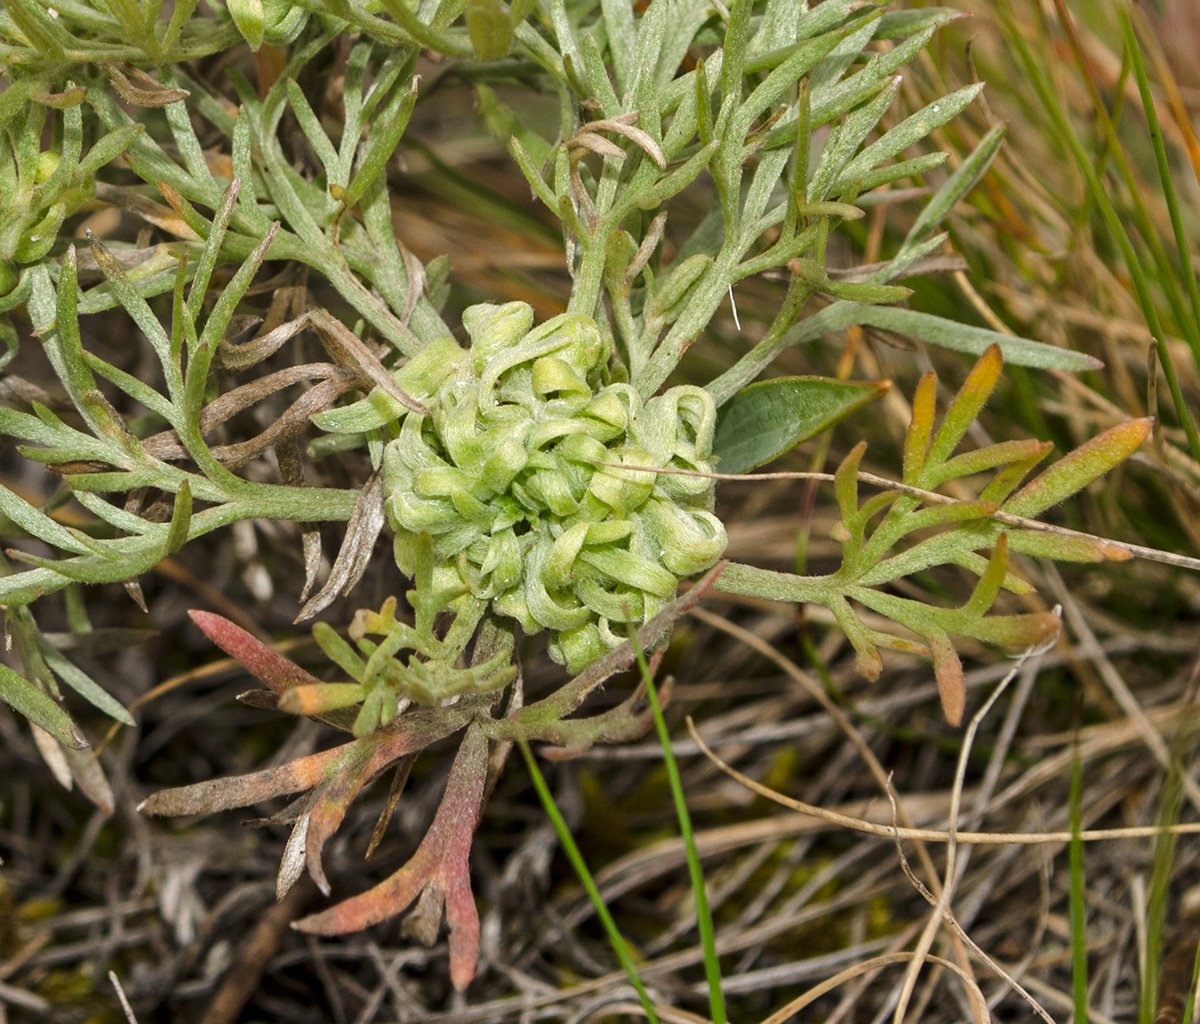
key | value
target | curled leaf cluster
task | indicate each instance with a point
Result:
(534, 474)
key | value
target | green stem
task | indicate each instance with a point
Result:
(750, 581)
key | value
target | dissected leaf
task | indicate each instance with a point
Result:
(439, 867)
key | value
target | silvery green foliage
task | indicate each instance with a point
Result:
(780, 110)
(530, 474)
(520, 475)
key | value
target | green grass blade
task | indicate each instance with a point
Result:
(708, 941)
(1191, 328)
(1159, 895)
(1037, 77)
(1167, 277)
(585, 877)
(1191, 997)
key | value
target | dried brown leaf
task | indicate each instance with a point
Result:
(366, 523)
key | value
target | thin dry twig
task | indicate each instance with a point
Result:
(125, 1007)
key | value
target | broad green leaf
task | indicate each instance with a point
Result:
(766, 419)
(19, 693)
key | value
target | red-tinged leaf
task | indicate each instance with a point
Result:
(1075, 471)
(462, 917)
(1067, 548)
(916, 441)
(329, 808)
(949, 671)
(371, 757)
(439, 867)
(278, 672)
(971, 398)
(241, 790)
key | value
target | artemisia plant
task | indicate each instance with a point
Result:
(532, 477)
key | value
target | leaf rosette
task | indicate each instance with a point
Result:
(534, 474)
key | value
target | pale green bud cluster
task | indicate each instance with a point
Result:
(530, 474)
(277, 22)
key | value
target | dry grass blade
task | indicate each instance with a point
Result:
(942, 903)
(937, 835)
(978, 1002)
(818, 693)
